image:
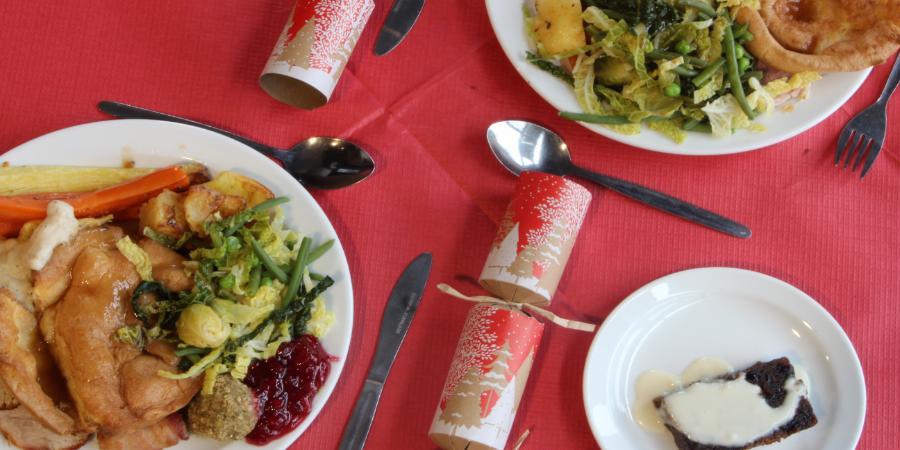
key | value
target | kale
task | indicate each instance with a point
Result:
(550, 68)
(656, 15)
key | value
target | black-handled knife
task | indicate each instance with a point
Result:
(400, 20)
(398, 314)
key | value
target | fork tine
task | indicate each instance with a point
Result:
(842, 144)
(862, 151)
(873, 153)
(852, 148)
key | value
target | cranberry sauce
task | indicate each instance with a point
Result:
(285, 386)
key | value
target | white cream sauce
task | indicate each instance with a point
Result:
(58, 228)
(654, 383)
(726, 413)
(730, 413)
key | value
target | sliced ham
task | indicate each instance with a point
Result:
(160, 435)
(23, 430)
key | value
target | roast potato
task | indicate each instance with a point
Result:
(558, 26)
(201, 202)
(232, 183)
(164, 214)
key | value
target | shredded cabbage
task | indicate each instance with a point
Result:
(321, 319)
(137, 256)
(801, 80)
(596, 17)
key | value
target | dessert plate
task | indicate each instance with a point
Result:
(826, 96)
(736, 315)
(151, 143)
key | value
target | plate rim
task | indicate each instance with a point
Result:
(767, 139)
(246, 152)
(800, 295)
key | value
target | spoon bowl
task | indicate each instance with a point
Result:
(523, 146)
(326, 162)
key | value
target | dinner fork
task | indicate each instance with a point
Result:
(864, 134)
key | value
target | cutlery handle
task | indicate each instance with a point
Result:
(666, 203)
(363, 413)
(892, 81)
(126, 111)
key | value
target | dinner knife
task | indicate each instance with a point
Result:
(399, 21)
(398, 314)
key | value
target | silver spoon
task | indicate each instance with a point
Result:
(524, 146)
(318, 162)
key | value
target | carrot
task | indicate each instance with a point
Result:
(10, 229)
(97, 203)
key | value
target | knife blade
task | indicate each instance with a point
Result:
(400, 20)
(398, 314)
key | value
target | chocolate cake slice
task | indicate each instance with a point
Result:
(761, 405)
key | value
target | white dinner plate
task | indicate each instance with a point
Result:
(153, 143)
(739, 316)
(827, 95)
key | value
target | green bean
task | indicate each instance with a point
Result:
(316, 276)
(254, 281)
(595, 118)
(707, 73)
(317, 252)
(268, 262)
(684, 71)
(734, 77)
(740, 29)
(699, 5)
(245, 216)
(293, 284)
(607, 120)
(692, 60)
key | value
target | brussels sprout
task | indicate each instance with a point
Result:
(200, 326)
(614, 71)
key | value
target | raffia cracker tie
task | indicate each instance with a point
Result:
(565, 323)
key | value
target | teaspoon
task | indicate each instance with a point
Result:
(318, 162)
(524, 146)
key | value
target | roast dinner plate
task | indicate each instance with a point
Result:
(739, 316)
(826, 96)
(152, 143)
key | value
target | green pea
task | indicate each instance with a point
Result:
(266, 281)
(739, 51)
(226, 282)
(683, 47)
(673, 90)
(743, 64)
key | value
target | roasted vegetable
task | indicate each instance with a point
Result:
(558, 27)
(233, 183)
(16, 180)
(164, 214)
(99, 202)
(201, 202)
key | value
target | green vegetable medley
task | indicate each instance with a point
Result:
(675, 66)
(253, 290)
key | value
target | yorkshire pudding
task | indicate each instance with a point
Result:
(823, 35)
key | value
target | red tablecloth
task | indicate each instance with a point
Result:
(422, 112)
